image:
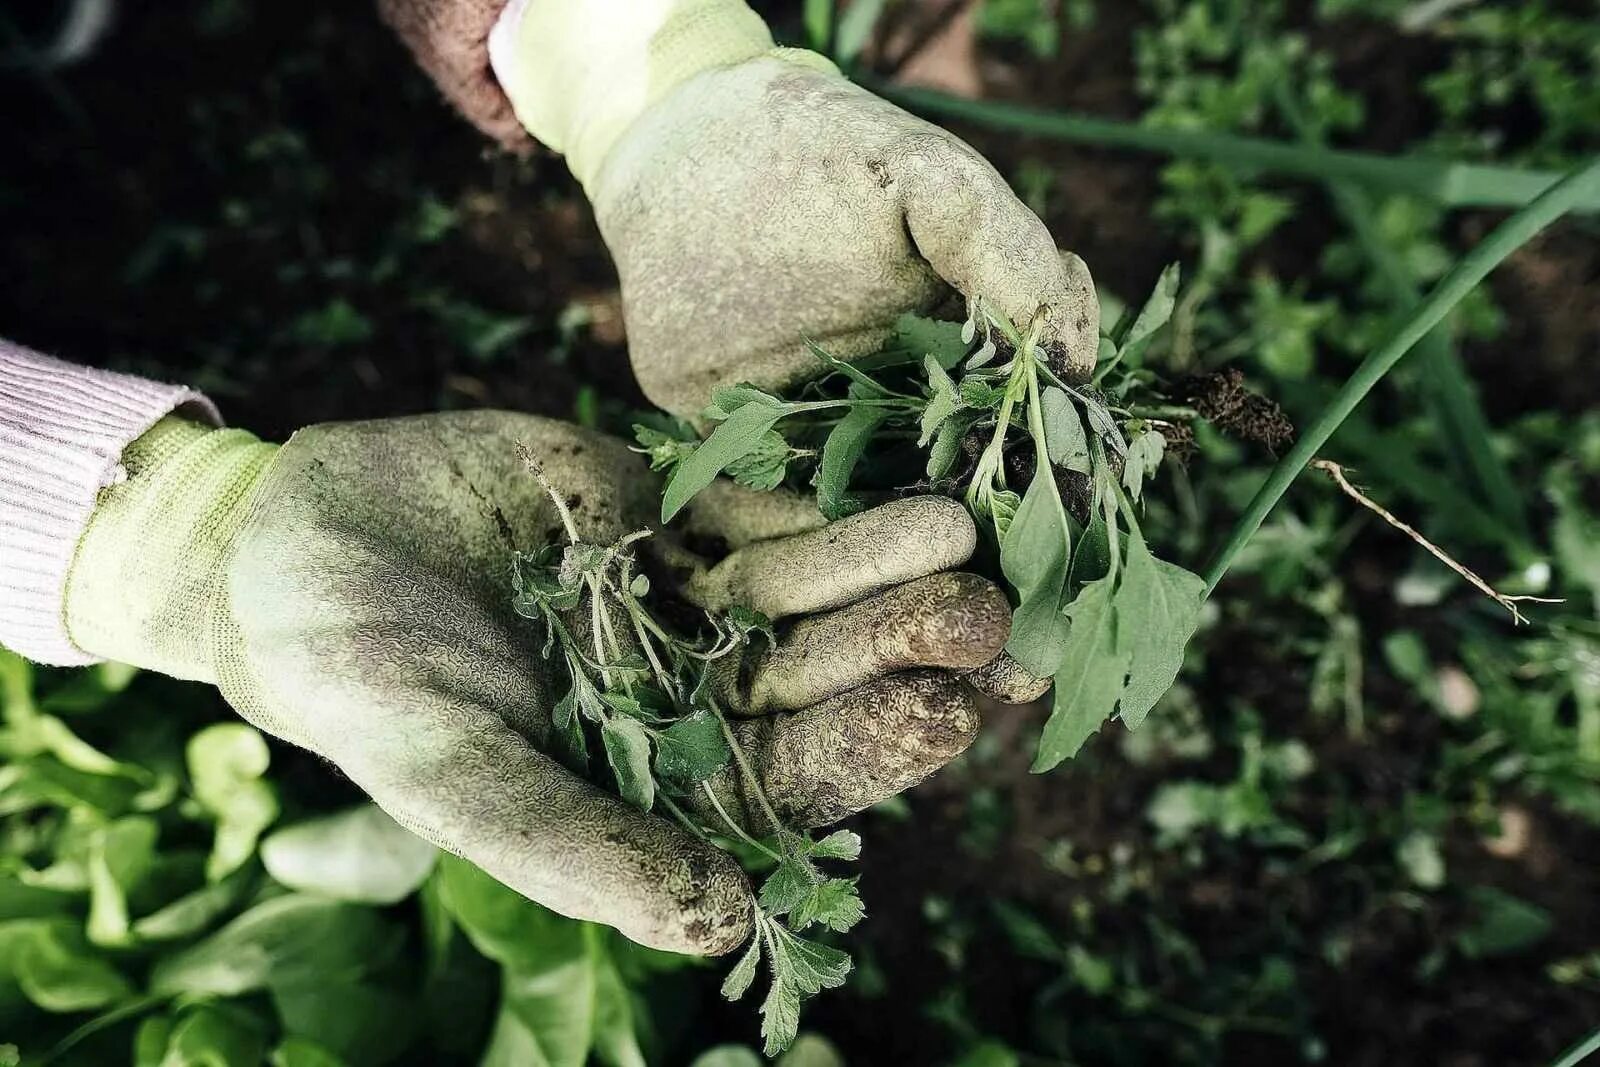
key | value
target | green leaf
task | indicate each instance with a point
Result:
(839, 845)
(1065, 440)
(628, 751)
(216, 1035)
(665, 451)
(226, 764)
(730, 398)
(944, 402)
(1033, 558)
(763, 467)
(298, 1052)
(930, 337)
(946, 446)
(288, 941)
(843, 449)
(120, 854)
(361, 855)
(1036, 543)
(1089, 678)
(1144, 456)
(361, 1022)
(1157, 607)
(855, 29)
(692, 749)
(1155, 313)
(736, 436)
(193, 912)
(1502, 924)
(50, 963)
(835, 904)
(744, 972)
(501, 923)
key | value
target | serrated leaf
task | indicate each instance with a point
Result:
(839, 845)
(763, 467)
(1144, 456)
(744, 972)
(843, 449)
(692, 749)
(811, 965)
(1158, 608)
(780, 1017)
(786, 886)
(944, 402)
(735, 437)
(628, 751)
(1065, 440)
(834, 903)
(1090, 676)
(976, 393)
(923, 336)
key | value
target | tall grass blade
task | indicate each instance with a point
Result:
(1452, 184)
(1510, 235)
(1447, 387)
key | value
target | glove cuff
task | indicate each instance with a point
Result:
(148, 572)
(579, 74)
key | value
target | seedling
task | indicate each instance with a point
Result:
(1051, 470)
(646, 691)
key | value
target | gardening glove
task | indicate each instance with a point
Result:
(350, 592)
(753, 198)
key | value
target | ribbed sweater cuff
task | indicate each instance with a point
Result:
(62, 432)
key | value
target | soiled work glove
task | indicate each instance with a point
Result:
(753, 197)
(350, 592)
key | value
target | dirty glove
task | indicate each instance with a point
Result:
(752, 197)
(351, 592)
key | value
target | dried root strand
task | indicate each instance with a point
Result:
(1336, 472)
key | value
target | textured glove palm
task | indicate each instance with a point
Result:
(349, 592)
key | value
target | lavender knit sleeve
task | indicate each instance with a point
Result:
(62, 432)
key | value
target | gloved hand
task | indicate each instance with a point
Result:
(752, 197)
(350, 592)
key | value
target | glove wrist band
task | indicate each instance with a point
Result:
(149, 569)
(579, 74)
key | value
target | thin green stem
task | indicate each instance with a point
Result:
(733, 825)
(1446, 182)
(1579, 1052)
(1472, 269)
(745, 769)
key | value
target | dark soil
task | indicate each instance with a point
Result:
(175, 204)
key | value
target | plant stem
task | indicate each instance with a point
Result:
(1579, 1052)
(1446, 182)
(1472, 269)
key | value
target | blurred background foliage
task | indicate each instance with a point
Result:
(1359, 830)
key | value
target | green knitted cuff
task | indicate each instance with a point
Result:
(148, 570)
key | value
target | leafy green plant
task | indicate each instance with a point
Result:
(1052, 471)
(649, 695)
